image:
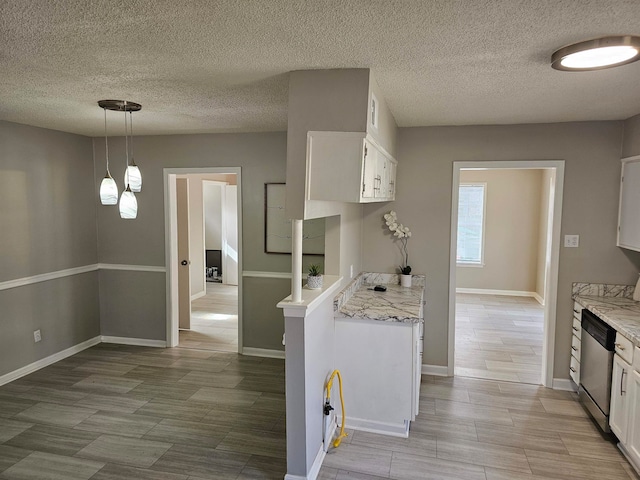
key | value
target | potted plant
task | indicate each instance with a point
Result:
(314, 279)
(402, 233)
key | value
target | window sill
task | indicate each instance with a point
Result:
(473, 265)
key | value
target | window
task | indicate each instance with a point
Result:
(471, 205)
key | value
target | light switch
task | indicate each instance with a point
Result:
(572, 241)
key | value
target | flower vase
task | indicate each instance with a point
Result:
(405, 280)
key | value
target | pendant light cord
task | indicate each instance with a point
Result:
(106, 144)
(126, 138)
(131, 127)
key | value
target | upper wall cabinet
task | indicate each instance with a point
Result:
(349, 167)
(629, 213)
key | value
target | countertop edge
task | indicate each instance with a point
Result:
(618, 325)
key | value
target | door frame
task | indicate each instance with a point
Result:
(171, 244)
(551, 275)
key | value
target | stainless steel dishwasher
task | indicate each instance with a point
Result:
(596, 364)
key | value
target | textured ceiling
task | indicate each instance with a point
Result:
(221, 66)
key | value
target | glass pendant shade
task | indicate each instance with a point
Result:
(108, 191)
(128, 204)
(133, 177)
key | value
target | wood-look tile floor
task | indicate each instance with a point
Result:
(214, 320)
(472, 429)
(122, 412)
(116, 412)
(499, 338)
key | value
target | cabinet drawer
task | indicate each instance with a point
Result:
(574, 370)
(575, 347)
(577, 328)
(624, 348)
(577, 310)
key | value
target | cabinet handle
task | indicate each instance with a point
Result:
(574, 348)
(573, 369)
(622, 392)
(575, 329)
(619, 346)
(576, 311)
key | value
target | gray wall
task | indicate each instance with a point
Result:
(139, 309)
(591, 151)
(631, 143)
(48, 218)
(512, 220)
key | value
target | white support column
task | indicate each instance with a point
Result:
(296, 261)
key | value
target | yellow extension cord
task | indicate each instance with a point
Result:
(336, 442)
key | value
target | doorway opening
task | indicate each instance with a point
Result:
(203, 229)
(505, 238)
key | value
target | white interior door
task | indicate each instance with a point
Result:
(184, 276)
(230, 237)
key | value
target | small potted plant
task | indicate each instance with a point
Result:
(314, 279)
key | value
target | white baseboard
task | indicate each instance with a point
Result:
(140, 342)
(538, 298)
(488, 291)
(437, 370)
(383, 428)
(262, 352)
(563, 384)
(45, 362)
(198, 295)
(313, 472)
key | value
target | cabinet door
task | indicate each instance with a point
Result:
(369, 171)
(391, 181)
(382, 177)
(633, 439)
(619, 414)
(628, 220)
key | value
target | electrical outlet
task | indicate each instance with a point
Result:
(572, 241)
(37, 336)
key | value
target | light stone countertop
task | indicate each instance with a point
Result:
(621, 313)
(397, 304)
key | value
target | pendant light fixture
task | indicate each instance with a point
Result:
(132, 175)
(597, 54)
(128, 203)
(108, 187)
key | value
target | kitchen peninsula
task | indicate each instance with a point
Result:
(379, 337)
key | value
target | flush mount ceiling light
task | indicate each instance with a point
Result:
(597, 54)
(128, 202)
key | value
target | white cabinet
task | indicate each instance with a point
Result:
(381, 365)
(348, 167)
(576, 344)
(619, 413)
(633, 434)
(628, 219)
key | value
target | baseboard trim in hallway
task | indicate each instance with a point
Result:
(140, 342)
(506, 293)
(436, 370)
(50, 360)
(262, 352)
